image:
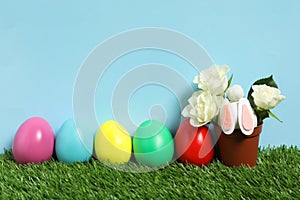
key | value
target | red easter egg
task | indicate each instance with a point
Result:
(193, 145)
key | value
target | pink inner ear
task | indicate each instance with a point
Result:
(227, 119)
(247, 120)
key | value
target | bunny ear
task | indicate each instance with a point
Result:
(227, 117)
(246, 117)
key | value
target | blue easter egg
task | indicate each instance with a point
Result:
(68, 146)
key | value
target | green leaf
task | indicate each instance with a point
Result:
(274, 116)
(261, 115)
(269, 81)
(251, 99)
(229, 81)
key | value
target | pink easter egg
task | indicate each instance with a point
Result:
(33, 142)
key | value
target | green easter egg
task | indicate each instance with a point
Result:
(153, 144)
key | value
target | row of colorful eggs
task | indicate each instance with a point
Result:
(152, 143)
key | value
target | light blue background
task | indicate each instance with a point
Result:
(43, 44)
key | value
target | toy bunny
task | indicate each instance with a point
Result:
(236, 112)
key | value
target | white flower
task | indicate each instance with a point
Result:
(235, 93)
(213, 79)
(266, 97)
(202, 108)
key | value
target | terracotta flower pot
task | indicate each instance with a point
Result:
(238, 149)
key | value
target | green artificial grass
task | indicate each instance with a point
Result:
(276, 176)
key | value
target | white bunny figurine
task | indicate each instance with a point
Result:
(236, 112)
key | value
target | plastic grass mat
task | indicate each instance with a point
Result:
(276, 176)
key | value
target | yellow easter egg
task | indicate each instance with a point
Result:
(113, 143)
